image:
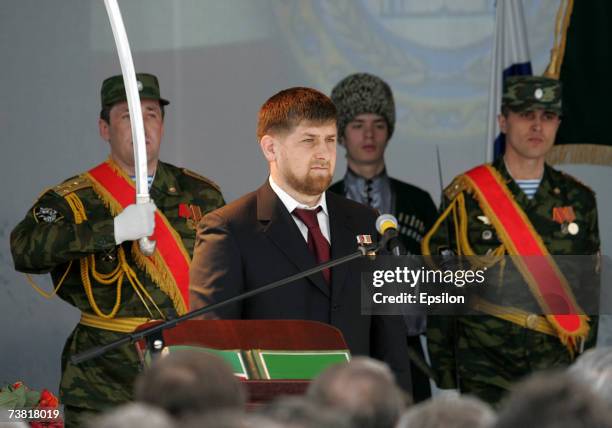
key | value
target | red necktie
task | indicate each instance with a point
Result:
(317, 244)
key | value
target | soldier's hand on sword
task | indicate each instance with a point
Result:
(134, 222)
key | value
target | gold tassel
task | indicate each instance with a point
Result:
(557, 53)
(161, 277)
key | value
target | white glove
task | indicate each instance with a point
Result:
(135, 221)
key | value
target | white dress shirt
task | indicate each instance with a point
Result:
(291, 204)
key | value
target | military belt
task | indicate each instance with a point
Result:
(517, 316)
(121, 324)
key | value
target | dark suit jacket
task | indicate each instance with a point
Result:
(254, 241)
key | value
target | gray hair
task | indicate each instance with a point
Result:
(229, 419)
(300, 412)
(449, 411)
(364, 388)
(594, 368)
(553, 400)
(132, 415)
(190, 381)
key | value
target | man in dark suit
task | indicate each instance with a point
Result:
(289, 225)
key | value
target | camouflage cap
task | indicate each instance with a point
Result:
(113, 89)
(527, 93)
(363, 93)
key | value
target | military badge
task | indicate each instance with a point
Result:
(538, 93)
(109, 256)
(364, 239)
(363, 242)
(484, 219)
(445, 251)
(573, 228)
(47, 215)
(191, 213)
(487, 234)
(565, 216)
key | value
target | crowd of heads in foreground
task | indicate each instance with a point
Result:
(197, 389)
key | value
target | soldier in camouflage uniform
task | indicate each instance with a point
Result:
(72, 233)
(484, 354)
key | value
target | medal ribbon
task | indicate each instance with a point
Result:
(563, 215)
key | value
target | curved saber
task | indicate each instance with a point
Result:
(147, 246)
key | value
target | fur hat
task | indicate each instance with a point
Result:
(363, 93)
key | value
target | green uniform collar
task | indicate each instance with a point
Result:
(165, 181)
(548, 185)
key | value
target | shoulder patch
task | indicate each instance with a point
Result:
(457, 186)
(72, 185)
(46, 215)
(201, 178)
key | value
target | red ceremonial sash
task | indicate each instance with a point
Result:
(546, 281)
(168, 266)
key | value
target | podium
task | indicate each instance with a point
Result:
(281, 335)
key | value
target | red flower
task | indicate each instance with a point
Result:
(17, 385)
(47, 400)
(47, 424)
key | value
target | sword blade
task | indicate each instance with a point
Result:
(133, 99)
(147, 246)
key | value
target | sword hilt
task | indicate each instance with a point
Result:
(146, 245)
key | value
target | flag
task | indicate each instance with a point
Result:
(510, 57)
(581, 60)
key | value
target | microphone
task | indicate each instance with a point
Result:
(387, 226)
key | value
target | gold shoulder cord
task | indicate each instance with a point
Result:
(457, 209)
(55, 290)
(116, 276)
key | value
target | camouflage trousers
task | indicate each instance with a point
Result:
(491, 354)
(102, 382)
(76, 417)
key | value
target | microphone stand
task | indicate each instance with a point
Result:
(154, 334)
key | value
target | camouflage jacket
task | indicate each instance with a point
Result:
(48, 239)
(485, 354)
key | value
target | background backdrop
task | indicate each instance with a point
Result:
(218, 61)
